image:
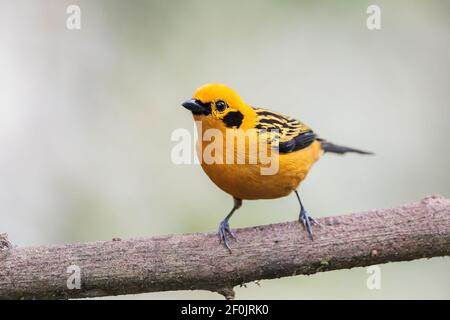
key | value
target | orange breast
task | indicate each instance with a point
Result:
(246, 181)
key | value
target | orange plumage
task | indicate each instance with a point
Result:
(290, 143)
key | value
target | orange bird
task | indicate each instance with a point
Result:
(291, 144)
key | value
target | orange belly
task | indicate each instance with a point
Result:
(245, 181)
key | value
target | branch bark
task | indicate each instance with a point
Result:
(197, 261)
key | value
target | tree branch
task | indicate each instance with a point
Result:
(198, 261)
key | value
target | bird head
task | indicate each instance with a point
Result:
(220, 105)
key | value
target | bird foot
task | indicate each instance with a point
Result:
(307, 222)
(224, 231)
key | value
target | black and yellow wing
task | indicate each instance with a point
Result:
(291, 133)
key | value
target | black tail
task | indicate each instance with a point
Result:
(334, 148)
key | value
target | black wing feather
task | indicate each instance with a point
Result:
(293, 134)
(301, 141)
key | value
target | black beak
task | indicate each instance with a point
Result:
(195, 106)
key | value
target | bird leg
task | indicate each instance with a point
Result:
(224, 227)
(305, 218)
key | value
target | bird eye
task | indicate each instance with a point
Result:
(220, 105)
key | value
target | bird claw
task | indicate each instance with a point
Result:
(224, 229)
(307, 221)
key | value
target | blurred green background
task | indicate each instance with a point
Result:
(86, 118)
